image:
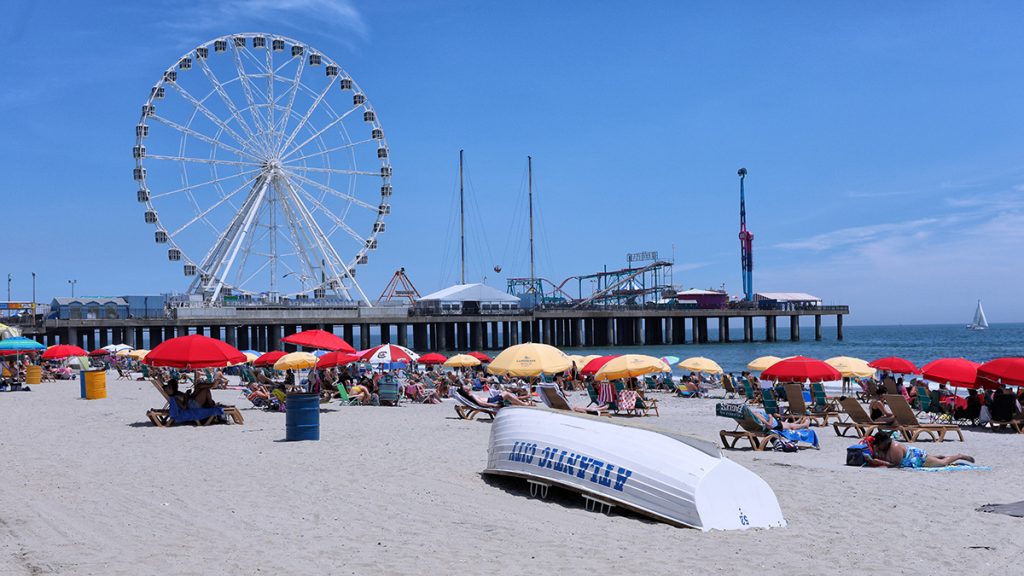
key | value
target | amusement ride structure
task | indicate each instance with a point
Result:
(264, 169)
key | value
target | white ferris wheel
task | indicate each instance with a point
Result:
(264, 169)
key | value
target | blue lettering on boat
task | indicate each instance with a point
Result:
(601, 473)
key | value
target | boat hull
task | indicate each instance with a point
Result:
(675, 479)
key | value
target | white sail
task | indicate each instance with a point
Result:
(979, 316)
(979, 322)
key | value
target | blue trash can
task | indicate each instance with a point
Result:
(302, 417)
(81, 381)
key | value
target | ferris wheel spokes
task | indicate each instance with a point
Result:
(319, 132)
(333, 192)
(230, 103)
(202, 137)
(198, 105)
(213, 207)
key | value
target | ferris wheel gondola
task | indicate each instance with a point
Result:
(264, 169)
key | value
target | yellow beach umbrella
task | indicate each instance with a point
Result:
(122, 352)
(138, 354)
(462, 361)
(763, 363)
(250, 357)
(700, 364)
(630, 365)
(295, 361)
(526, 360)
(849, 366)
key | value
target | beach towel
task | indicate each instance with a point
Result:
(805, 436)
(952, 468)
(605, 393)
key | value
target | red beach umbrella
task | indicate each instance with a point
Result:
(956, 372)
(483, 358)
(594, 365)
(319, 339)
(268, 359)
(895, 364)
(432, 358)
(99, 352)
(1008, 371)
(801, 369)
(194, 352)
(63, 351)
(332, 359)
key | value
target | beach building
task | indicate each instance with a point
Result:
(89, 308)
(469, 299)
(704, 299)
(786, 301)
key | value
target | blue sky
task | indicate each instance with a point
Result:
(882, 140)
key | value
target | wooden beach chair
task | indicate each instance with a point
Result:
(909, 425)
(747, 428)
(860, 422)
(171, 414)
(798, 408)
(467, 407)
(554, 398)
(121, 374)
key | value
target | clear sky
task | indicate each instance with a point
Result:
(883, 140)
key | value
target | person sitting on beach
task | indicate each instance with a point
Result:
(880, 413)
(498, 398)
(200, 395)
(769, 422)
(888, 453)
(175, 395)
(360, 393)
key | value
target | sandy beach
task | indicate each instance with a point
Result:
(91, 487)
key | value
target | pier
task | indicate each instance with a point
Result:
(263, 328)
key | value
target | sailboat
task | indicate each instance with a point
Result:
(979, 322)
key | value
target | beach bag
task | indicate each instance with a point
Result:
(984, 416)
(857, 455)
(780, 444)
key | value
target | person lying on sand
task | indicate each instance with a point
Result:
(888, 453)
(769, 422)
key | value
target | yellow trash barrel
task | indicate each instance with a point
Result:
(95, 384)
(33, 375)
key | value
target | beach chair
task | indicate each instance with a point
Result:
(121, 374)
(859, 420)
(553, 397)
(770, 403)
(747, 428)
(750, 392)
(173, 414)
(592, 394)
(730, 390)
(388, 392)
(823, 402)
(467, 407)
(797, 408)
(343, 396)
(1003, 414)
(923, 401)
(909, 425)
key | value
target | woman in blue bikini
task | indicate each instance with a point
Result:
(886, 452)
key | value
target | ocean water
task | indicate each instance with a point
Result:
(919, 344)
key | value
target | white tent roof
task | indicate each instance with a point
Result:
(699, 292)
(471, 293)
(788, 296)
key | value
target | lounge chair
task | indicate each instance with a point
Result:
(911, 428)
(467, 407)
(730, 390)
(346, 400)
(860, 422)
(1004, 414)
(553, 397)
(173, 414)
(641, 407)
(747, 428)
(750, 392)
(822, 402)
(592, 394)
(121, 374)
(388, 392)
(798, 408)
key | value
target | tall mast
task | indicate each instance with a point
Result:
(529, 164)
(462, 221)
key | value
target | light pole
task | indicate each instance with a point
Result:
(33, 298)
(8, 293)
(72, 282)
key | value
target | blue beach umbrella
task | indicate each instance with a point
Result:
(670, 360)
(20, 344)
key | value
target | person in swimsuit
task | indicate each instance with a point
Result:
(880, 413)
(887, 453)
(769, 422)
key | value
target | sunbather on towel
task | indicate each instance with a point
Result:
(888, 453)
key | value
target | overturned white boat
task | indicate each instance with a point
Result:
(679, 480)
